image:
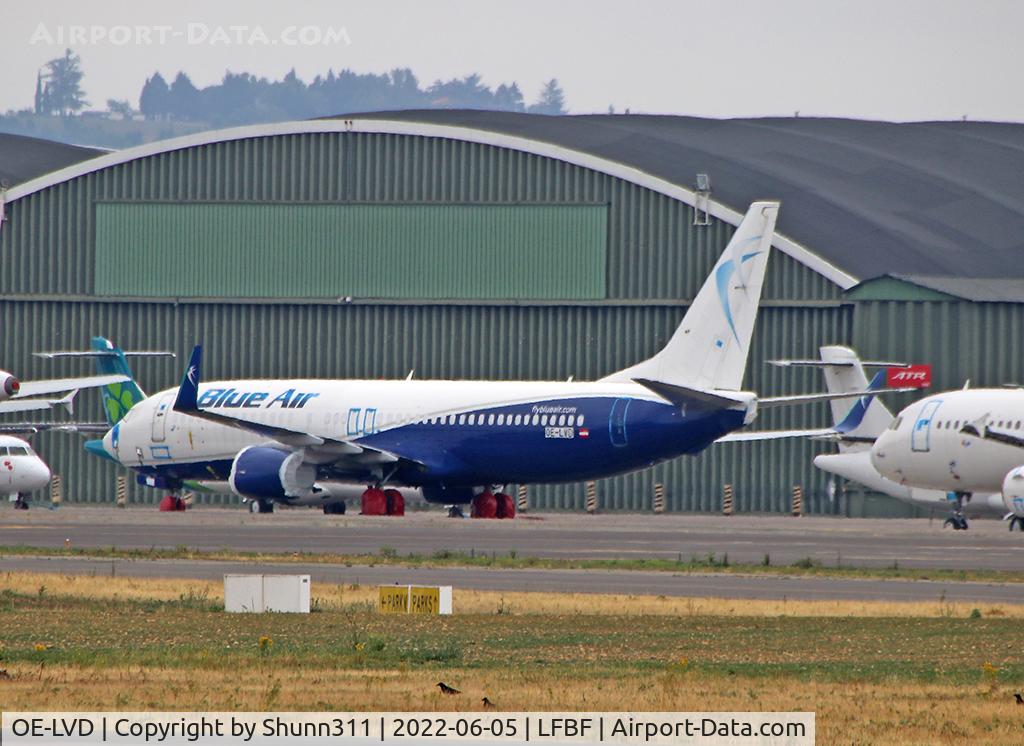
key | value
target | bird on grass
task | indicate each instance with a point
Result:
(488, 704)
(445, 689)
(1017, 696)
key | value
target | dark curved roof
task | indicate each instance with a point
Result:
(23, 158)
(943, 199)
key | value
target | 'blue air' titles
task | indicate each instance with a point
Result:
(288, 399)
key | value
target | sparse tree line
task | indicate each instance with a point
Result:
(242, 98)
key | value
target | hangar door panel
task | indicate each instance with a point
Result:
(363, 251)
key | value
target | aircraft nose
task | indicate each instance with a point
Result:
(879, 451)
(106, 447)
(37, 475)
(43, 472)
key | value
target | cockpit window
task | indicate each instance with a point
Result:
(18, 451)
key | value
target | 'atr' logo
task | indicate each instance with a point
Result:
(916, 376)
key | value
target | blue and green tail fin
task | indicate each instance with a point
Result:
(118, 398)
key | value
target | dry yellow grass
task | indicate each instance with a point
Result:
(848, 713)
(928, 691)
(489, 602)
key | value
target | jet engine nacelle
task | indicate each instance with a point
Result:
(271, 473)
(1013, 491)
(9, 385)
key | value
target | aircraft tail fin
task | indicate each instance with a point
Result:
(118, 398)
(709, 349)
(868, 417)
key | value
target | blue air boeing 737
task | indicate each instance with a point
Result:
(286, 441)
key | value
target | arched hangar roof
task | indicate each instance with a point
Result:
(25, 158)
(860, 199)
(920, 198)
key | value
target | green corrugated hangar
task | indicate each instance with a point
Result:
(463, 244)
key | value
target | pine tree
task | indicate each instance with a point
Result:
(154, 101)
(551, 101)
(63, 93)
(183, 98)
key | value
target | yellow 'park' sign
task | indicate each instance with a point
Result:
(414, 599)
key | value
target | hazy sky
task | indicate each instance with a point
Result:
(883, 59)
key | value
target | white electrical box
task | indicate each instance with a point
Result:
(259, 593)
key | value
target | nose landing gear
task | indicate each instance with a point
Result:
(958, 520)
(261, 506)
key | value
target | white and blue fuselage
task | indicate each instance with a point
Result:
(457, 433)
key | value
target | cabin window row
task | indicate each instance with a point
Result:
(955, 424)
(502, 419)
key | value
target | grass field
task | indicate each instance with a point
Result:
(873, 672)
(806, 567)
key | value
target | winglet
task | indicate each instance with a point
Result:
(68, 402)
(188, 392)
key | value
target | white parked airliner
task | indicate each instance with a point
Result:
(21, 470)
(858, 426)
(968, 442)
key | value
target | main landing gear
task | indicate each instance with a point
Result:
(261, 506)
(1016, 523)
(958, 520)
(336, 508)
(173, 503)
(493, 505)
(376, 501)
(21, 503)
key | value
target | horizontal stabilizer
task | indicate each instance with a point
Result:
(782, 401)
(835, 364)
(741, 436)
(54, 427)
(55, 354)
(683, 396)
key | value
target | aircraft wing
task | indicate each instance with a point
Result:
(34, 405)
(980, 430)
(29, 405)
(55, 385)
(187, 403)
(58, 427)
(741, 436)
